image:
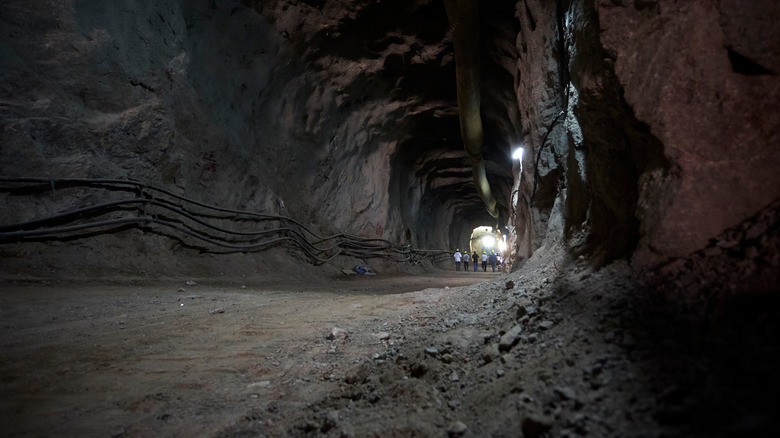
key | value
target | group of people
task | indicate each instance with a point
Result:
(465, 258)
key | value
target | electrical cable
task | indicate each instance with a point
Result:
(293, 232)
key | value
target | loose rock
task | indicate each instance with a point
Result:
(338, 333)
(510, 338)
(545, 325)
(457, 429)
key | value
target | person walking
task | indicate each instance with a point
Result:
(458, 257)
(475, 258)
(466, 261)
(484, 261)
(493, 260)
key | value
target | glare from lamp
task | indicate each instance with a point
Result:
(488, 241)
(518, 155)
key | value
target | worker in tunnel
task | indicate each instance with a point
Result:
(475, 258)
(466, 261)
(458, 257)
(484, 261)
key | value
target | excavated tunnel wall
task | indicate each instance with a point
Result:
(247, 107)
(648, 136)
(649, 127)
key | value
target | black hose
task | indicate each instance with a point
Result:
(38, 222)
(293, 232)
(71, 228)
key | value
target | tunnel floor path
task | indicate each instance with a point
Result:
(192, 359)
(553, 349)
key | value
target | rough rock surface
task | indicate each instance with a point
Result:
(342, 115)
(599, 353)
(650, 131)
(339, 114)
(648, 120)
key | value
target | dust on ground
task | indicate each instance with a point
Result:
(553, 349)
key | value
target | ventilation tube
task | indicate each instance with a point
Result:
(464, 23)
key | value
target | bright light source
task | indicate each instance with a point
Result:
(488, 241)
(501, 246)
(518, 155)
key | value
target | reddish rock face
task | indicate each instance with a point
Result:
(649, 127)
(669, 129)
(706, 91)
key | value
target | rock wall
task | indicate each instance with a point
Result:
(656, 123)
(649, 127)
(338, 114)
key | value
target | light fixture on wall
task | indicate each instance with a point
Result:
(518, 155)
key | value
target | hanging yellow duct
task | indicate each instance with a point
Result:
(464, 23)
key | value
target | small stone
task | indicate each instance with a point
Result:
(382, 336)
(500, 372)
(510, 338)
(190, 283)
(565, 393)
(509, 285)
(181, 289)
(433, 351)
(217, 310)
(338, 333)
(457, 428)
(545, 325)
(454, 377)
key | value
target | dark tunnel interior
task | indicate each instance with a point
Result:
(290, 166)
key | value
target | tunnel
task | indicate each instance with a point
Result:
(239, 218)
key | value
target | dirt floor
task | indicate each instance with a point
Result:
(550, 350)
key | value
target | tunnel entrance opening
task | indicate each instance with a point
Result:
(486, 240)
